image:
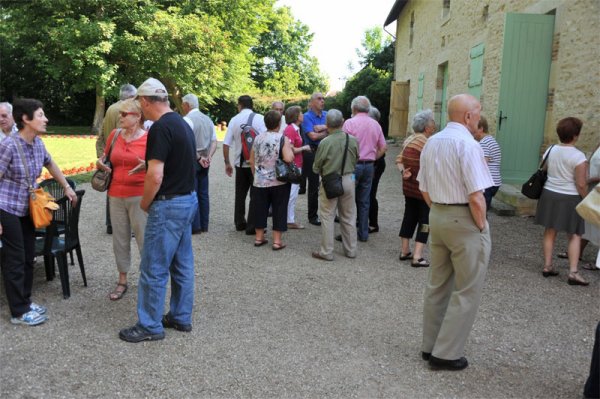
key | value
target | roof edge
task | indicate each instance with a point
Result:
(395, 12)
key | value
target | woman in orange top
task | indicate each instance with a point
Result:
(126, 188)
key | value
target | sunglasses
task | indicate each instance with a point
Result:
(124, 114)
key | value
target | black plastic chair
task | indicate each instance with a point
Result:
(54, 246)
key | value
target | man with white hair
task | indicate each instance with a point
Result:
(279, 106)
(171, 203)
(206, 145)
(110, 123)
(372, 146)
(7, 123)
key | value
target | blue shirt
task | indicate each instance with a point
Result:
(310, 120)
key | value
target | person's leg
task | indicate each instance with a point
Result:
(203, 198)
(107, 217)
(364, 178)
(241, 190)
(327, 209)
(312, 187)
(13, 264)
(28, 231)
(470, 253)
(410, 221)
(197, 216)
(250, 215)
(548, 245)
(137, 220)
(347, 215)
(291, 210)
(373, 203)
(574, 250)
(279, 196)
(182, 264)
(423, 229)
(261, 211)
(121, 237)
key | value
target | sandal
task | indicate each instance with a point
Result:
(117, 294)
(278, 246)
(260, 243)
(549, 271)
(574, 279)
(406, 257)
(421, 262)
(590, 267)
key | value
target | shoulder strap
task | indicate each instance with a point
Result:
(250, 119)
(112, 142)
(22, 155)
(546, 157)
(281, 142)
(345, 152)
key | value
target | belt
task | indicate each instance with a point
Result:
(437, 203)
(365, 162)
(167, 197)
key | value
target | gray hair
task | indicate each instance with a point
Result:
(8, 106)
(360, 104)
(191, 99)
(127, 91)
(421, 120)
(277, 102)
(374, 113)
(334, 118)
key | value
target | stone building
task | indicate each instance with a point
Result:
(531, 63)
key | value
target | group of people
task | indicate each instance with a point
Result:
(159, 192)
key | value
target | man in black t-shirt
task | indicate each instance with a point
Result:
(171, 203)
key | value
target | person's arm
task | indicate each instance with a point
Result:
(152, 182)
(427, 198)
(478, 209)
(317, 163)
(60, 178)
(319, 132)
(288, 154)
(581, 172)
(381, 151)
(251, 161)
(228, 167)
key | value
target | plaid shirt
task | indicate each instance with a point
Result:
(14, 193)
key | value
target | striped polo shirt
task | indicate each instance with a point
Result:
(491, 151)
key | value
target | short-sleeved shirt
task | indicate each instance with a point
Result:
(124, 157)
(310, 120)
(14, 186)
(233, 137)
(330, 154)
(453, 166)
(292, 132)
(368, 133)
(491, 150)
(266, 152)
(562, 162)
(171, 140)
(411, 159)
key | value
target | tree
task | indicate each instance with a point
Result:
(373, 44)
(282, 65)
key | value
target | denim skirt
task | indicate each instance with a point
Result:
(557, 211)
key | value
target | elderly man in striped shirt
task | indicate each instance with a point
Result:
(452, 177)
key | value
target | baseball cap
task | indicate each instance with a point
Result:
(152, 87)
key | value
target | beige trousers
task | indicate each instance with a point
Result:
(459, 259)
(126, 216)
(346, 207)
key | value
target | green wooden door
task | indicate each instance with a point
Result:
(526, 58)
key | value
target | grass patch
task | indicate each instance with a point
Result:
(71, 152)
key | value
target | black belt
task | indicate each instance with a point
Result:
(437, 203)
(365, 162)
(167, 197)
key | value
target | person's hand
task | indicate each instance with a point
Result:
(406, 174)
(70, 194)
(228, 169)
(0, 229)
(140, 167)
(100, 165)
(306, 148)
(204, 162)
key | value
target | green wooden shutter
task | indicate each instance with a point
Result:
(476, 70)
(420, 92)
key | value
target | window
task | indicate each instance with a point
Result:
(445, 8)
(411, 34)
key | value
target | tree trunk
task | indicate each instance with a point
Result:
(175, 94)
(99, 113)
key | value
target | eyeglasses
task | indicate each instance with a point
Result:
(124, 114)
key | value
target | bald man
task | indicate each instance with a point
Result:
(279, 106)
(452, 177)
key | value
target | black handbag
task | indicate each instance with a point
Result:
(287, 172)
(533, 187)
(332, 183)
(101, 178)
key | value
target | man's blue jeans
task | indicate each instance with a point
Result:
(201, 217)
(364, 178)
(167, 252)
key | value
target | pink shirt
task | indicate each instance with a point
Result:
(292, 132)
(368, 133)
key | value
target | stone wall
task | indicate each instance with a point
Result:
(574, 87)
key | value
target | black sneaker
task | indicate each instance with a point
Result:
(168, 323)
(139, 334)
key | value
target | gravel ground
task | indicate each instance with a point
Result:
(283, 325)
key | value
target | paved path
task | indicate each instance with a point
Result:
(282, 325)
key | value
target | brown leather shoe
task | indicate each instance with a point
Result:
(317, 255)
(295, 226)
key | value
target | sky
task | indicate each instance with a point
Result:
(338, 27)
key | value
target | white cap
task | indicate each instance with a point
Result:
(152, 87)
